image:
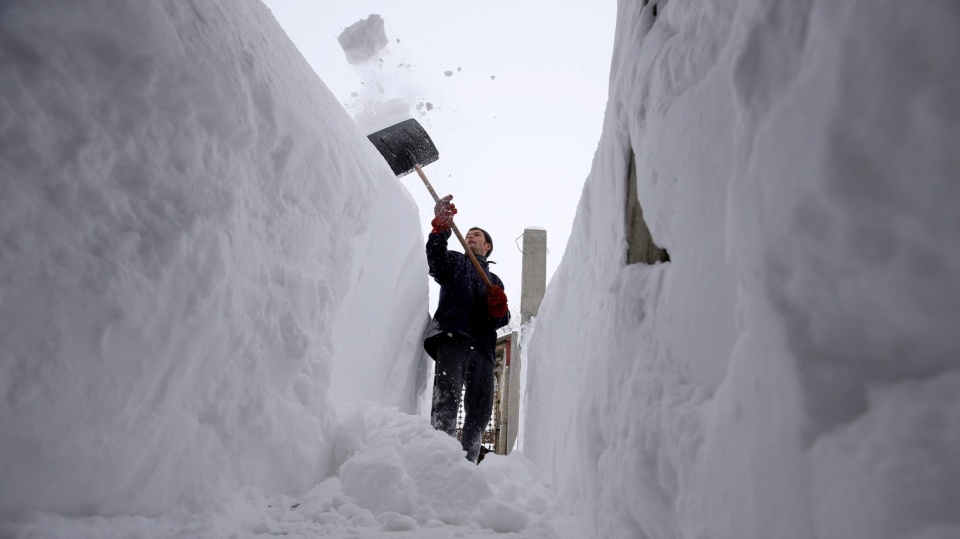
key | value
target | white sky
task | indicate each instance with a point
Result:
(514, 150)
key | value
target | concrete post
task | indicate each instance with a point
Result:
(533, 281)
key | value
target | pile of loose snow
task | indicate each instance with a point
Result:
(399, 478)
(362, 40)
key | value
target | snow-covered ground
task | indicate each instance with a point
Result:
(212, 288)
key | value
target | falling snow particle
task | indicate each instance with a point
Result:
(429, 106)
(448, 73)
(458, 69)
(493, 77)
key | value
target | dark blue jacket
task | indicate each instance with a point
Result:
(462, 309)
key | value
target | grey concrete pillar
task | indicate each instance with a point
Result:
(533, 280)
(533, 283)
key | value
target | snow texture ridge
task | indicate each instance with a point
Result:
(792, 371)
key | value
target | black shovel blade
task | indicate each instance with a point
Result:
(404, 145)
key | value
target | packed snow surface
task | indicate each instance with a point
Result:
(362, 40)
(212, 288)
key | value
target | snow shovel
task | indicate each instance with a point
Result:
(407, 147)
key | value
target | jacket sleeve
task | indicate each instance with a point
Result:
(438, 258)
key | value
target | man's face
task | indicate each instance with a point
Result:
(477, 243)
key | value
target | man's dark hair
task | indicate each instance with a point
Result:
(486, 237)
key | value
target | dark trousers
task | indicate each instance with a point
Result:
(457, 365)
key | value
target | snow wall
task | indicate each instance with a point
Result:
(182, 220)
(792, 372)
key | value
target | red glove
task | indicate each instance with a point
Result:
(496, 302)
(444, 212)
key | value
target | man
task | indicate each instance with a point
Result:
(463, 335)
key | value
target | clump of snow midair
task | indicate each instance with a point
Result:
(792, 371)
(387, 91)
(362, 40)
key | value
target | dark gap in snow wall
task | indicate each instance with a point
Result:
(641, 249)
(645, 2)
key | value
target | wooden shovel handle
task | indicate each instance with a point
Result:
(473, 258)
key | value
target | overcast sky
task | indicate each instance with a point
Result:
(517, 122)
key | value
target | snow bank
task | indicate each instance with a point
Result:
(792, 372)
(184, 209)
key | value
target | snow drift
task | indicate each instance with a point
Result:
(793, 370)
(182, 206)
